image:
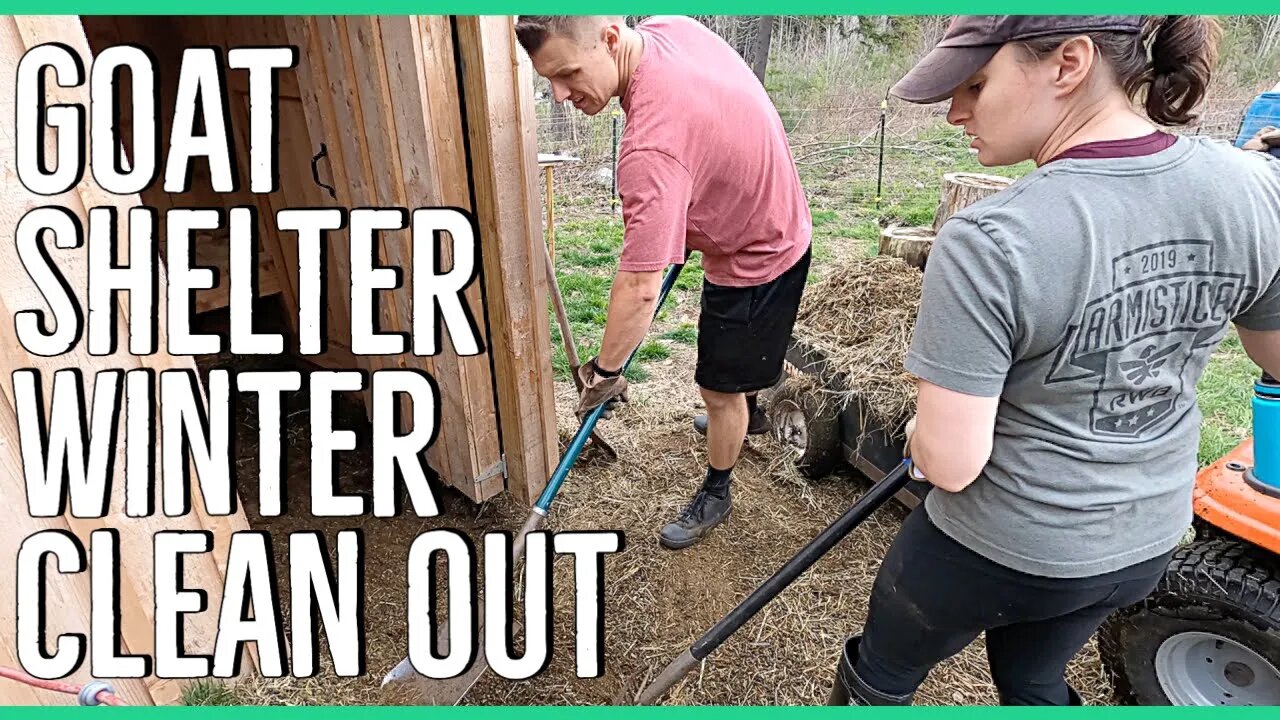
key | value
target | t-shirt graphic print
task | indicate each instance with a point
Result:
(1164, 304)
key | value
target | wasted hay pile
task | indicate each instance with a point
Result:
(860, 318)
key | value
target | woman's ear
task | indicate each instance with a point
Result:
(1074, 59)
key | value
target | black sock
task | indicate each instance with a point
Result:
(751, 404)
(717, 482)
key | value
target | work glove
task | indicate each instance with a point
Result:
(599, 390)
(911, 430)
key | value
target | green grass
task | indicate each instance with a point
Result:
(586, 259)
(653, 350)
(1224, 394)
(686, 334)
(823, 217)
(691, 277)
(208, 692)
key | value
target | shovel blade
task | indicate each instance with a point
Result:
(448, 691)
(432, 691)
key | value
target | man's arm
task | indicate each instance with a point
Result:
(631, 307)
(1263, 347)
(655, 191)
(953, 435)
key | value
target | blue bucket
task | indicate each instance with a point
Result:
(1263, 111)
(1266, 435)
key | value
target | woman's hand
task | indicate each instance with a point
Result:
(1267, 137)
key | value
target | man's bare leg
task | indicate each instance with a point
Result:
(726, 427)
(757, 421)
(726, 430)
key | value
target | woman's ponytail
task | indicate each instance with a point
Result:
(1173, 60)
(1183, 54)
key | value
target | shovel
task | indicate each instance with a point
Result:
(775, 584)
(448, 691)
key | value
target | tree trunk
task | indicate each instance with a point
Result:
(912, 244)
(760, 53)
(962, 189)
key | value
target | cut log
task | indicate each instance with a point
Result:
(912, 244)
(962, 189)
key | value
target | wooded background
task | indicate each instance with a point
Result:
(828, 76)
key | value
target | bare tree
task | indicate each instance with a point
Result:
(760, 53)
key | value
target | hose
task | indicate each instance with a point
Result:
(93, 693)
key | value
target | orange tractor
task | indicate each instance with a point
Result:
(1209, 634)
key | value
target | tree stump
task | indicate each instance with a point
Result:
(962, 189)
(912, 244)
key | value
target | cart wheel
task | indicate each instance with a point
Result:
(803, 423)
(1209, 634)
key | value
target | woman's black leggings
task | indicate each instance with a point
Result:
(932, 597)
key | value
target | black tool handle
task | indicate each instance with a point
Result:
(819, 546)
(769, 589)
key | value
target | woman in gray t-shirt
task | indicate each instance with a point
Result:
(1063, 326)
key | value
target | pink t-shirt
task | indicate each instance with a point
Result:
(704, 160)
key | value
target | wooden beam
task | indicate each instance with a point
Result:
(497, 90)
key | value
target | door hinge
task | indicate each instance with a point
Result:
(498, 468)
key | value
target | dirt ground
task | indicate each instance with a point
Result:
(657, 601)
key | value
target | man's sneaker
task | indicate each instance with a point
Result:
(704, 512)
(757, 424)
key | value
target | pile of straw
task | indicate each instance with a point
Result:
(860, 317)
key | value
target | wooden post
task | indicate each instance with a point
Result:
(962, 189)
(912, 244)
(551, 212)
(497, 87)
(18, 293)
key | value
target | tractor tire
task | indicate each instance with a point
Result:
(1209, 634)
(807, 426)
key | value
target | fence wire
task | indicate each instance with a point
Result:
(863, 159)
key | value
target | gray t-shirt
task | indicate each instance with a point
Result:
(1089, 295)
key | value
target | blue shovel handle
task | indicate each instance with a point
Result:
(588, 425)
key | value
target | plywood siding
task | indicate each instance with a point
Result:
(18, 293)
(368, 85)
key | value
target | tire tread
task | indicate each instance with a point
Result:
(1201, 579)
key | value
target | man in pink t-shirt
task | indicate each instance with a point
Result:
(704, 165)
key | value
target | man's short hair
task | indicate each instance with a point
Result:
(534, 30)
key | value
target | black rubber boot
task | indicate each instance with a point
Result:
(710, 507)
(848, 688)
(757, 423)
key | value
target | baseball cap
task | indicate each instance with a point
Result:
(972, 40)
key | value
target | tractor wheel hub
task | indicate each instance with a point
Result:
(1200, 668)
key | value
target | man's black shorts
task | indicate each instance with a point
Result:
(743, 332)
